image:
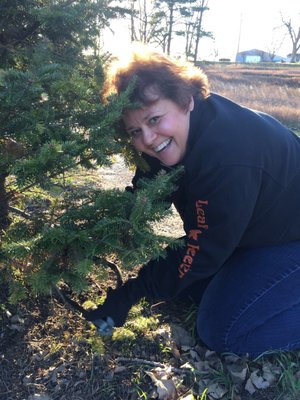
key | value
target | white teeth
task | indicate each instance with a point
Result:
(163, 145)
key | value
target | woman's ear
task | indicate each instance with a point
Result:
(191, 104)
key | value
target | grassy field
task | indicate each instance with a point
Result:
(48, 352)
(275, 91)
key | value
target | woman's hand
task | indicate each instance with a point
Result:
(112, 313)
(104, 326)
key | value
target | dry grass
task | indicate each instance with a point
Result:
(275, 91)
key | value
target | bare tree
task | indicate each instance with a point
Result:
(139, 21)
(294, 34)
(147, 23)
(275, 44)
(158, 21)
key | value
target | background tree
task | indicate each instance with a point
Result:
(192, 22)
(171, 15)
(273, 46)
(189, 27)
(198, 13)
(145, 22)
(294, 34)
(54, 126)
(160, 21)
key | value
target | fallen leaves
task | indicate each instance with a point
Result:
(57, 360)
(215, 377)
(164, 384)
(262, 379)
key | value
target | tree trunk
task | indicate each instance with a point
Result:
(198, 31)
(4, 220)
(170, 31)
(145, 23)
(189, 40)
(295, 38)
(294, 53)
(132, 27)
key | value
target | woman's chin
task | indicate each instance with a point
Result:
(171, 155)
(170, 160)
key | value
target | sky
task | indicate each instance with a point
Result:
(236, 25)
(257, 22)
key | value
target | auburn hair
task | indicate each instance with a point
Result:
(155, 75)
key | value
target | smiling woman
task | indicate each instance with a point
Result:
(238, 199)
(160, 130)
(165, 92)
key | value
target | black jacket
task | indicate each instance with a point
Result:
(241, 189)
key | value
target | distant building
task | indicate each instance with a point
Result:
(257, 56)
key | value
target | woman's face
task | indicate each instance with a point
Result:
(160, 130)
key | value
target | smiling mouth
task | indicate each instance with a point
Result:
(163, 145)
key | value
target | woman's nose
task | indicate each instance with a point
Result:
(148, 136)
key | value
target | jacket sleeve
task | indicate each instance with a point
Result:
(218, 211)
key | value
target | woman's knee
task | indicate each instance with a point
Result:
(252, 299)
(246, 334)
(210, 329)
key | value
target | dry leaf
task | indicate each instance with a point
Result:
(165, 388)
(164, 332)
(209, 354)
(187, 365)
(237, 372)
(202, 366)
(161, 373)
(188, 397)
(185, 348)
(194, 354)
(216, 391)
(232, 359)
(259, 381)
(213, 359)
(268, 374)
(249, 387)
(181, 336)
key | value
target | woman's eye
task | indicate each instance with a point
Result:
(153, 120)
(135, 132)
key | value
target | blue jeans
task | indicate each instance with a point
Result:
(252, 305)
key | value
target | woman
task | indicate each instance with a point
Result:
(239, 201)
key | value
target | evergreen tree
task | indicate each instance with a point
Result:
(53, 125)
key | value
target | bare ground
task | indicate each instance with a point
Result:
(48, 351)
